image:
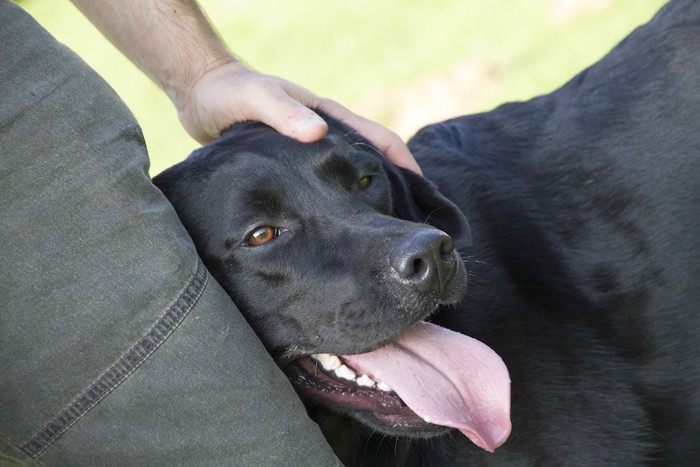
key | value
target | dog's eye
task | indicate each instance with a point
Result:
(364, 182)
(261, 235)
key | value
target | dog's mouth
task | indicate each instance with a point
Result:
(429, 378)
(329, 378)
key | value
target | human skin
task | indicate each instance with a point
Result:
(173, 42)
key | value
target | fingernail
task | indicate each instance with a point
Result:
(311, 127)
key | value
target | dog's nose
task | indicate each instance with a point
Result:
(425, 260)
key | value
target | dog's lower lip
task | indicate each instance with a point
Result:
(307, 376)
(372, 405)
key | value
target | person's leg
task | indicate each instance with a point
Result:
(116, 347)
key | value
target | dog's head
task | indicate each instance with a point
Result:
(330, 251)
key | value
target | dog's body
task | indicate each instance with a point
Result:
(584, 207)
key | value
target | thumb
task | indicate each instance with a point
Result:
(290, 117)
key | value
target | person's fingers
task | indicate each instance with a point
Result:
(388, 142)
(275, 106)
(233, 93)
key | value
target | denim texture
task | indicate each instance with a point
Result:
(116, 347)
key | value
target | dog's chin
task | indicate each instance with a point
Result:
(380, 409)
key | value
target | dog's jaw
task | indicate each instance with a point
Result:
(440, 378)
(373, 403)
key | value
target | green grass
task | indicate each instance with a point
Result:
(357, 52)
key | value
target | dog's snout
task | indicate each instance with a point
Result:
(425, 260)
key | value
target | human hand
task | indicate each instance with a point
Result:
(231, 93)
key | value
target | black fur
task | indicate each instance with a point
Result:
(324, 284)
(583, 256)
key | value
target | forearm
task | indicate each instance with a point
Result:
(170, 40)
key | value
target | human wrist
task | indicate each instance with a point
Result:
(181, 85)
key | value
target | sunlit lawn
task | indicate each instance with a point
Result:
(404, 63)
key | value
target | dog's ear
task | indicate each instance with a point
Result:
(417, 199)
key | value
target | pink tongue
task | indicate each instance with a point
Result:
(447, 379)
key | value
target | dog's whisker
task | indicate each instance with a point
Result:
(427, 218)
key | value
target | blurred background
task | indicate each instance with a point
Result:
(403, 63)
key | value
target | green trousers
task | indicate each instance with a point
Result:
(116, 346)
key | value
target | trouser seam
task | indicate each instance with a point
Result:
(129, 362)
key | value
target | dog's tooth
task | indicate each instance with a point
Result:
(327, 360)
(384, 387)
(365, 380)
(344, 372)
(317, 356)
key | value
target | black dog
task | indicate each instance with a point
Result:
(313, 244)
(584, 260)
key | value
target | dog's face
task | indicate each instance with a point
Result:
(327, 249)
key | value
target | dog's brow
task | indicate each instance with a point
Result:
(263, 200)
(336, 169)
